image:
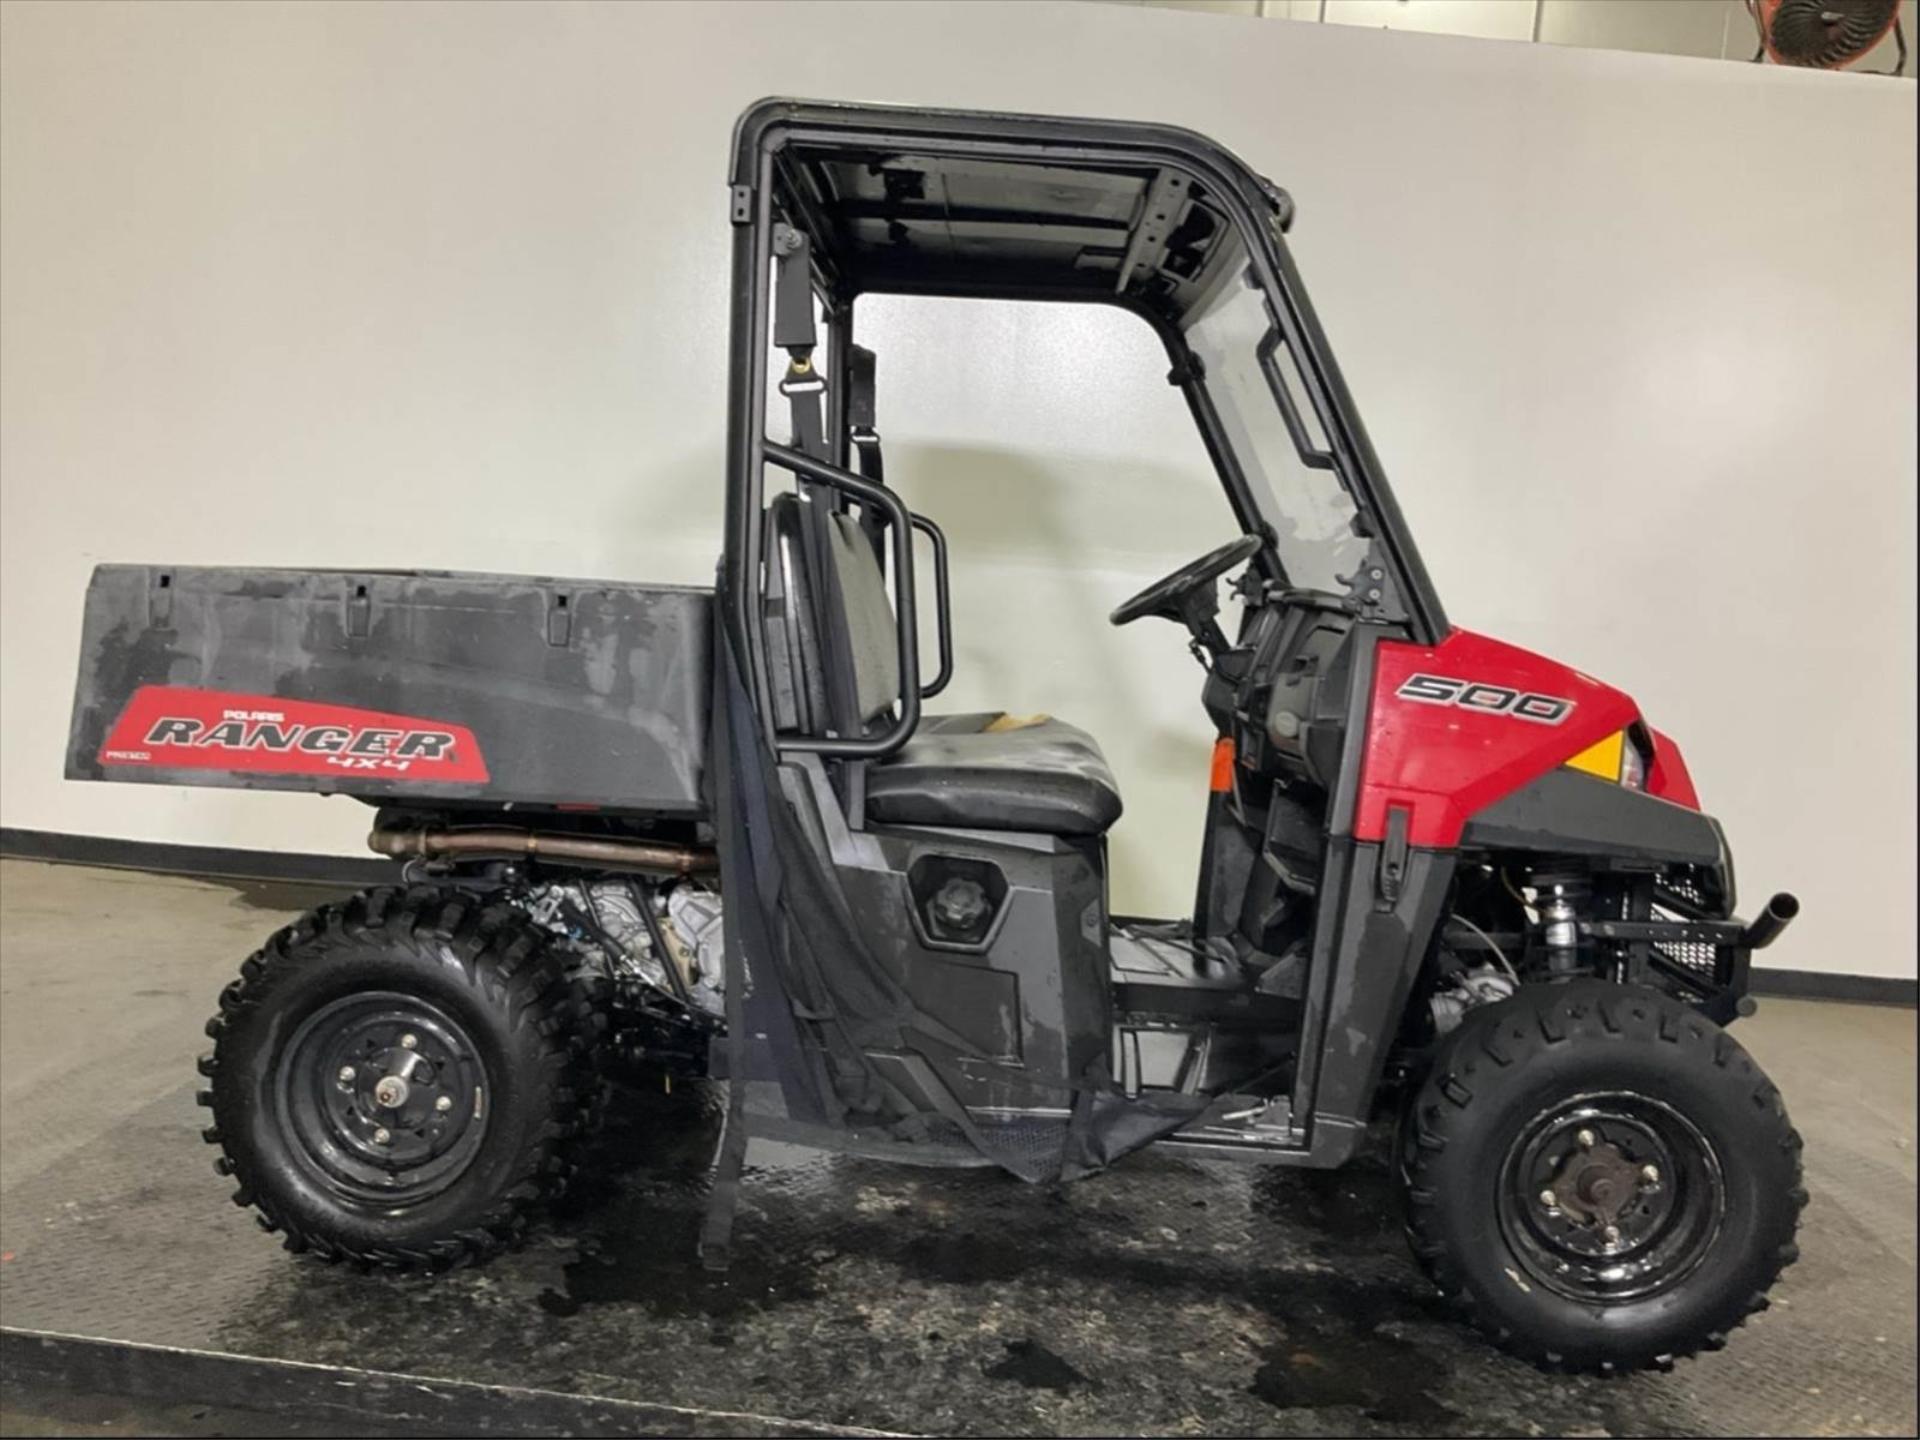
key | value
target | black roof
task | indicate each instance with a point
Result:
(979, 203)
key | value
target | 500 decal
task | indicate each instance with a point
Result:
(177, 726)
(1487, 699)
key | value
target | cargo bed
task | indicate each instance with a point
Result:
(397, 685)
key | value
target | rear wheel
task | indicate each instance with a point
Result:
(1600, 1177)
(400, 1079)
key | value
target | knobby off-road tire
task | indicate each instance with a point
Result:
(1603, 1091)
(491, 1028)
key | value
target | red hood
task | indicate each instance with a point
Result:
(1453, 727)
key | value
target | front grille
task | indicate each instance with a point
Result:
(1682, 886)
(1691, 890)
(1714, 973)
(1703, 960)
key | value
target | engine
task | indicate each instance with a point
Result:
(1468, 989)
(667, 940)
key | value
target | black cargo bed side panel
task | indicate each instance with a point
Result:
(576, 692)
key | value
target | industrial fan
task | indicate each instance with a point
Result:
(1826, 34)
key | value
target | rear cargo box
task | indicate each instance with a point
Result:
(422, 684)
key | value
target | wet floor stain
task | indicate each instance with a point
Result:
(645, 1256)
(637, 1208)
(1338, 1352)
(1342, 1359)
(1032, 1364)
(1332, 1208)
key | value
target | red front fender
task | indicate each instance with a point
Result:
(1667, 774)
(1453, 727)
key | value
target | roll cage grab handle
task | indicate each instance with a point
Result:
(902, 523)
(942, 603)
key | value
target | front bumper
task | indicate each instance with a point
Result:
(1707, 958)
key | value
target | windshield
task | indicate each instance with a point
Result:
(1248, 372)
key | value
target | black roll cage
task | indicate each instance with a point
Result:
(1258, 211)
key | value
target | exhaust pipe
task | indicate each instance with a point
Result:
(602, 851)
(1768, 924)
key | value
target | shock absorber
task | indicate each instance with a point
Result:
(1563, 899)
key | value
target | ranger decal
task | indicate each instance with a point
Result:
(179, 727)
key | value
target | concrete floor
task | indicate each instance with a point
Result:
(1167, 1296)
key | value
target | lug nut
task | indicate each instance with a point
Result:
(408, 1041)
(1549, 1199)
(346, 1074)
(1611, 1234)
(1650, 1174)
(382, 1136)
(1585, 1139)
(443, 1104)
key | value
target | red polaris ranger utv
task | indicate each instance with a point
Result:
(721, 833)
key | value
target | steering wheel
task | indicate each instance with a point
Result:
(1172, 598)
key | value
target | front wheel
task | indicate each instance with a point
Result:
(1600, 1177)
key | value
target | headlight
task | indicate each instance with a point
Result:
(1618, 758)
(1633, 764)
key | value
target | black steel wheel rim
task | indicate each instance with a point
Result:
(384, 1098)
(1610, 1197)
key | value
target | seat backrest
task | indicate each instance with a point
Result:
(869, 632)
(832, 637)
(797, 677)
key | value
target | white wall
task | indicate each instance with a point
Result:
(1488, 19)
(445, 286)
(1718, 29)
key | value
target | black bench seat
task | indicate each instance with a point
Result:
(987, 771)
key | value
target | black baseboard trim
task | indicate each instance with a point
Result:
(350, 873)
(40, 1366)
(211, 861)
(1821, 985)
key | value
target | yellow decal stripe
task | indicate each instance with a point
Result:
(1603, 758)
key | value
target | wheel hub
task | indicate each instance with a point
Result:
(1607, 1197)
(1598, 1183)
(390, 1093)
(384, 1095)
(394, 1099)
